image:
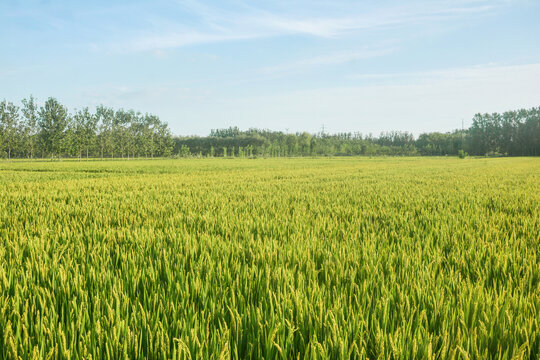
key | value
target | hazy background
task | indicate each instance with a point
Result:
(366, 66)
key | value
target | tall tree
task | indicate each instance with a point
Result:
(30, 125)
(85, 125)
(9, 126)
(151, 124)
(163, 139)
(304, 142)
(53, 122)
(105, 118)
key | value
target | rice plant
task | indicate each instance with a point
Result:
(270, 258)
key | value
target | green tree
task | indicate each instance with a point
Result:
(151, 124)
(30, 125)
(163, 139)
(304, 142)
(9, 126)
(53, 122)
(292, 144)
(105, 117)
(84, 131)
(184, 151)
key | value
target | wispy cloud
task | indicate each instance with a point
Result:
(116, 95)
(219, 25)
(328, 59)
(178, 39)
(390, 17)
(487, 72)
(16, 71)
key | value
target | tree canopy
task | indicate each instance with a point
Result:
(50, 131)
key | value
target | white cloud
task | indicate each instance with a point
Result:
(329, 59)
(175, 40)
(485, 72)
(390, 17)
(219, 25)
(144, 98)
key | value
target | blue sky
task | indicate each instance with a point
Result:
(366, 66)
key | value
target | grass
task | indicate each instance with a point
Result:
(275, 258)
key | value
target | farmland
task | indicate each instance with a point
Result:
(274, 258)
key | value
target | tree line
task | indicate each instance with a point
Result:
(51, 131)
(513, 133)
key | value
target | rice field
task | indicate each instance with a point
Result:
(334, 258)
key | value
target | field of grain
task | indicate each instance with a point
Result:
(270, 258)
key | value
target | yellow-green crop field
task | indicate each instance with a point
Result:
(270, 258)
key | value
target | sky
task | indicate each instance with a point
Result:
(350, 66)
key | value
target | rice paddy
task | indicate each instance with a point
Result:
(333, 258)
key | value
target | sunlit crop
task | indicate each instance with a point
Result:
(275, 258)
